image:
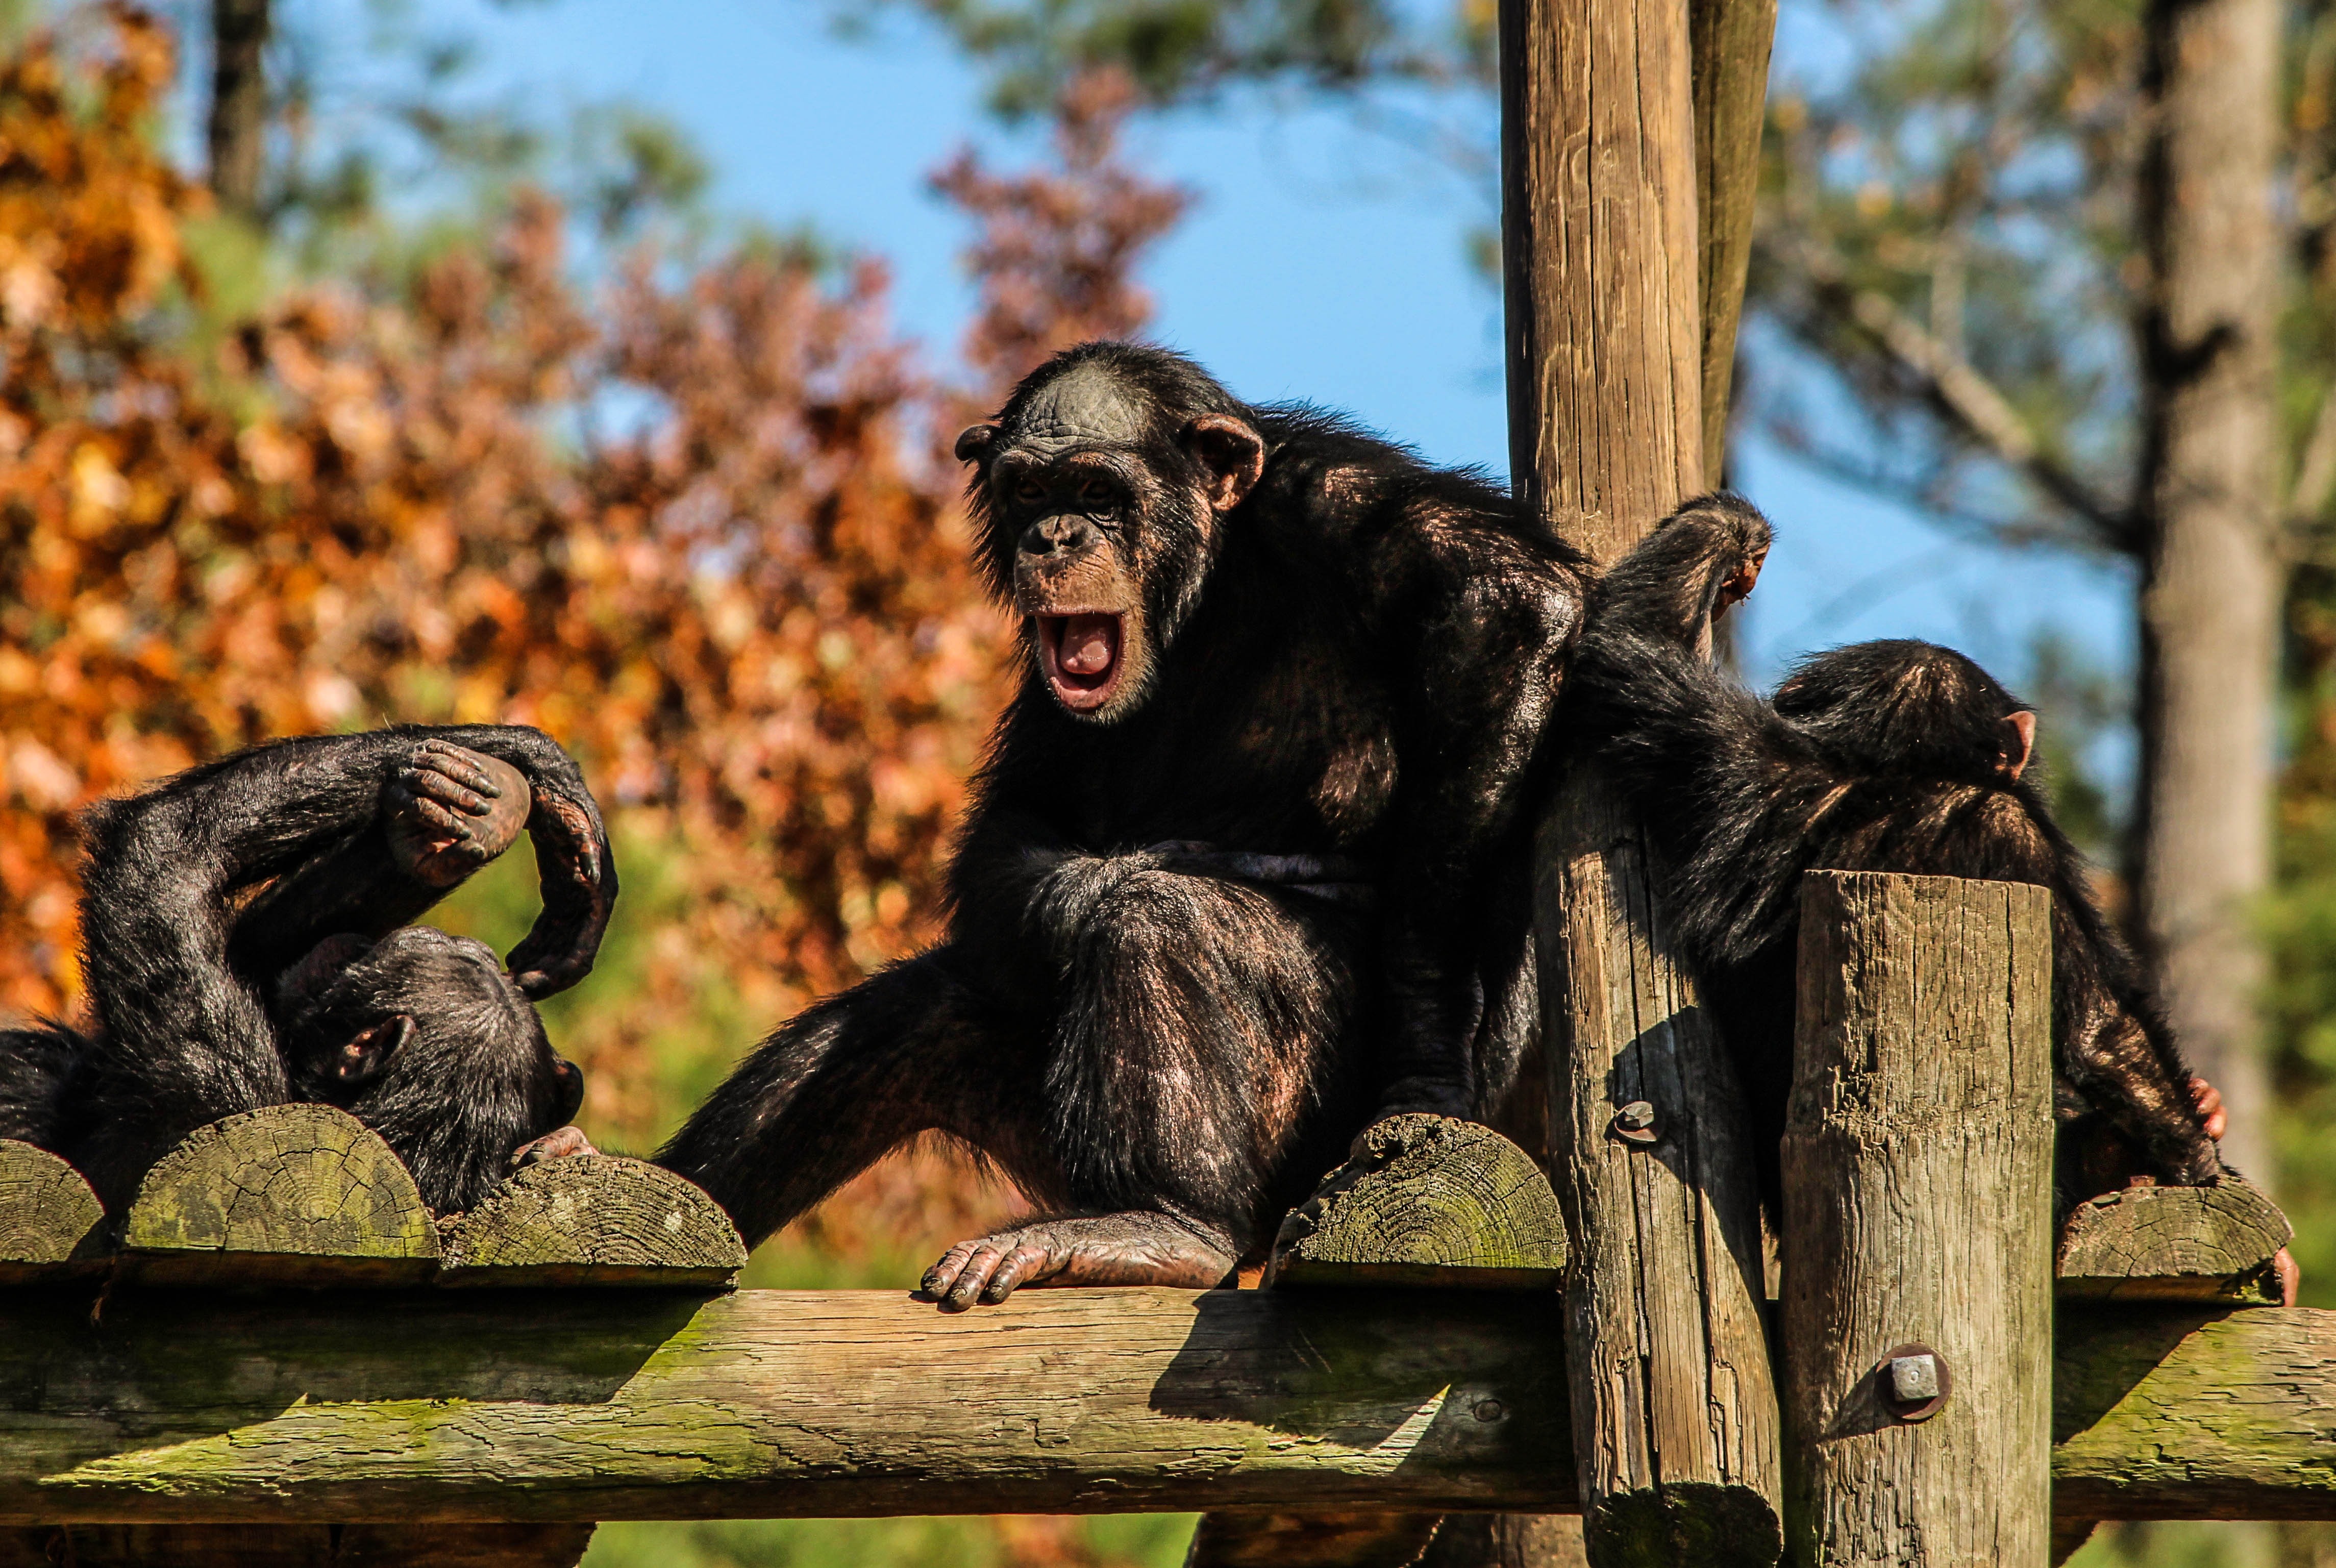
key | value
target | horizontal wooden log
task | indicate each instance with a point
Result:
(595, 1219)
(295, 1195)
(294, 1545)
(442, 1405)
(2174, 1244)
(52, 1226)
(568, 1406)
(1427, 1201)
(2194, 1415)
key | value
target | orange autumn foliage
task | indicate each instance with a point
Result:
(702, 527)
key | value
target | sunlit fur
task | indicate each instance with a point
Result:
(1883, 756)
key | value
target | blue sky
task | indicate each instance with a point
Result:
(1322, 261)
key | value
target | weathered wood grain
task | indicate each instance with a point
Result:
(2174, 1244)
(288, 1194)
(52, 1226)
(1427, 1201)
(1917, 1211)
(1729, 42)
(546, 1406)
(294, 1547)
(595, 1219)
(2193, 1414)
(1675, 1429)
(574, 1405)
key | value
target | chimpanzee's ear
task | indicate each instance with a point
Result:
(973, 441)
(361, 1060)
(1233, 452)
(2018, 743)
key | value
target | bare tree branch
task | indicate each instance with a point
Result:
(1964, 396)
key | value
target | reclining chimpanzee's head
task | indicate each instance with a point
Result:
(426, 1038)
(1912, 707)
(1101, 485)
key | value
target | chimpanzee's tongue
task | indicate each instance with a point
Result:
(1089, 643)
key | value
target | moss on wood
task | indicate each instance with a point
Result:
(1428, 1200)
(595, 1219)
(52, 1226)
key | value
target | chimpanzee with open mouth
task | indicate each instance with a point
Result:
(1245, 865)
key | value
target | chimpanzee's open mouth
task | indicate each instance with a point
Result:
(1081, 655)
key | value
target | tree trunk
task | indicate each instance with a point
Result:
(239, 117)
(2211, 583)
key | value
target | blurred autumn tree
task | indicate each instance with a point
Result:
(698, 523)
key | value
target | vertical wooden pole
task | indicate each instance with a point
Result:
(1730, 40)
(1675, 1414)
(1918, 1224)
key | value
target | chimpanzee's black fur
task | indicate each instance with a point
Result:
(212, 994)
(1888, 756)
(1199, 937)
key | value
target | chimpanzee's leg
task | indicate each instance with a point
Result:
(1204, 1070)
(913, 1048)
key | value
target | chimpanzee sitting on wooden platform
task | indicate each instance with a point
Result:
(1246, 864)
(1884, 756)
(246, 943)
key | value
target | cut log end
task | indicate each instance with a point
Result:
(2174, 1244)
(299, 1194)
(1427, 1201)
(52, 1226)
(595, 1219)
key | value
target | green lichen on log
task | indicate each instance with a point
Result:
(51, 1224)
(401, 1545)
(2173, 1244)
(595, 1219)
(286, 1194)
(1427, 1201)
(2194, 1415)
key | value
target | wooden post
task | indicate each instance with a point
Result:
(1918, 1224)
(1730, 40)
(1675, 1414)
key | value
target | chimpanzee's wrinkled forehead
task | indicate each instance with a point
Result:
(1088, 405)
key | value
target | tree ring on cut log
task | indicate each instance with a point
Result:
(51, 1224)
(595, 1219)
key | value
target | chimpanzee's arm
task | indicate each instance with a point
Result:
(1477, 616)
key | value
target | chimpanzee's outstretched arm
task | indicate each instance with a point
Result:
(909, 1050)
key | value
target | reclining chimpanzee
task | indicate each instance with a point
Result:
(244, 938)
(1888, 756)
(1244, 866)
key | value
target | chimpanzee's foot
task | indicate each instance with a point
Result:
(556, 1145)
(449, 811)
(1138, 1248)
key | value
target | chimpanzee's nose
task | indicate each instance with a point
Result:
(1068, 534)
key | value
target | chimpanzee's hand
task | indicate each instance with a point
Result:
(1132, 1249)
(578, 871)
(449, 811)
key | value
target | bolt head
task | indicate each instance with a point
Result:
(1489, 1410)
(1635, 1123)
(1913, 1379)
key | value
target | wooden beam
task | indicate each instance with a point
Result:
(1429, 1201)
(570, 1405)
(595, 1219)
(52, 1226)
(2174, 1244)
(445, 1405)
(1676, 1426)
(1730, 40)
(1917, 1316)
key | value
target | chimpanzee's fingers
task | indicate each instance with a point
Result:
(943, 1274)
(467, 768)
(440, 816)
(2291, 1278)
(973, 1278)
(1028, 1264)
(2208, 1100)
(428, 783)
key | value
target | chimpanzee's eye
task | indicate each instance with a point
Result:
(1029, 491)
(1097, 495)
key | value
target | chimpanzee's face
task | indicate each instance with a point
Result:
(1103, 514)
(421, 1009)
